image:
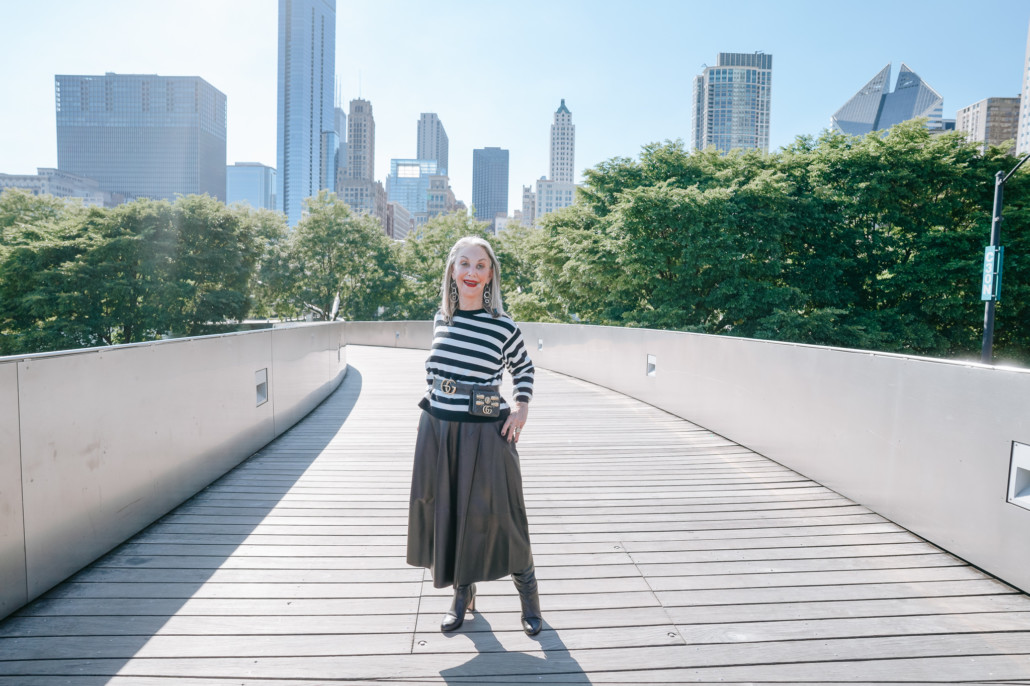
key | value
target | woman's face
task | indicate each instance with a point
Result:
(472, 271)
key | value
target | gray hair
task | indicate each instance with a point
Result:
(446, 306)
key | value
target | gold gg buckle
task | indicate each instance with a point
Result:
(448, 387)
(488, 404)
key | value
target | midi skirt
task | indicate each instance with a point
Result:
(467, 515)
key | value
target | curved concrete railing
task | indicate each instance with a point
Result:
(937, 446)
(97, 444)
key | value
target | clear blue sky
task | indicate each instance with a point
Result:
(495, 72)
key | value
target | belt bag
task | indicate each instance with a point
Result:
(484, 401)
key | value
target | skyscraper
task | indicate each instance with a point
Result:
(558, 190)
(306, 141)
(142, 135)
(732, 102)
(1023, 131)
(563, 146)
(359, 189)
(490, 183)
(875, 107)
(432, 141)
(361, 141)
(991, 121)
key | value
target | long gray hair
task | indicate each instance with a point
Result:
(446, 306)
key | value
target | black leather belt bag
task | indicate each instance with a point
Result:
(484, 401)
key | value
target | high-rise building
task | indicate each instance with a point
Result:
(62, 184)
(876, 108)
(563, 146)
(528, 205)
(361, 141)
(252, 183)
(306, 140)
(143, 135)
(559, 189)
(991, 121)
(408, 184)
(432, 141)
(732, 103)
(359, 189)
(490, 183)
(1023, 129)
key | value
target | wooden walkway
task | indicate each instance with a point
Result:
(666, 554)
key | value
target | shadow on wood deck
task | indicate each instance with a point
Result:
(666, 554)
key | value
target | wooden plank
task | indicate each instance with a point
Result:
(895, 607)
(820, 593)
(952, 624)
(985, 657)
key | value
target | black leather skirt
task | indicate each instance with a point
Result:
(467, 515)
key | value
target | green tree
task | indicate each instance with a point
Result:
(342, 255)
(275, 279)
(216, 251)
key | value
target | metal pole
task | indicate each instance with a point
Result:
(986, 351)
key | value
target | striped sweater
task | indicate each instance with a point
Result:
(475, 348)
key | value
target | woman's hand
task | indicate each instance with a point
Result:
(516, 420)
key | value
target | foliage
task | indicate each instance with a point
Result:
(869, 242)
(342, 255)
(72, 278)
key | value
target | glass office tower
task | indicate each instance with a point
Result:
(876, 108)
(142, 135)
(306, 139)
(732, 102)
(490, 183)
(408, 183)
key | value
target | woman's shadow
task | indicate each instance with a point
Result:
(495, 664)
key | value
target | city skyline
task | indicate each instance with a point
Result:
(623, 98)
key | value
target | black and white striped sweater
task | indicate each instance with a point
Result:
(475, 348)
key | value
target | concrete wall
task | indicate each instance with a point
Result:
(926, 443)
(97, 444)
(391, 334)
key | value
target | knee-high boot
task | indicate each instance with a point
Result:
(464, 599)
(525, 583)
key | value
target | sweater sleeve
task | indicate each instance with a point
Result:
(516, 360)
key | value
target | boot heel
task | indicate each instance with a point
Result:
(464, 600)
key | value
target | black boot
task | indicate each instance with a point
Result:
(464, 598)
(525, 583)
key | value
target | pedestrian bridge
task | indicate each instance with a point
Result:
(702, 509)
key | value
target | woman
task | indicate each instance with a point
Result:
(467, 516)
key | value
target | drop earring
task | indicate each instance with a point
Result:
(454, 292)
(486, 296)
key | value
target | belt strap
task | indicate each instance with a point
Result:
(449, 387)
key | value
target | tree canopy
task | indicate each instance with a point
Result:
(869, 242)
